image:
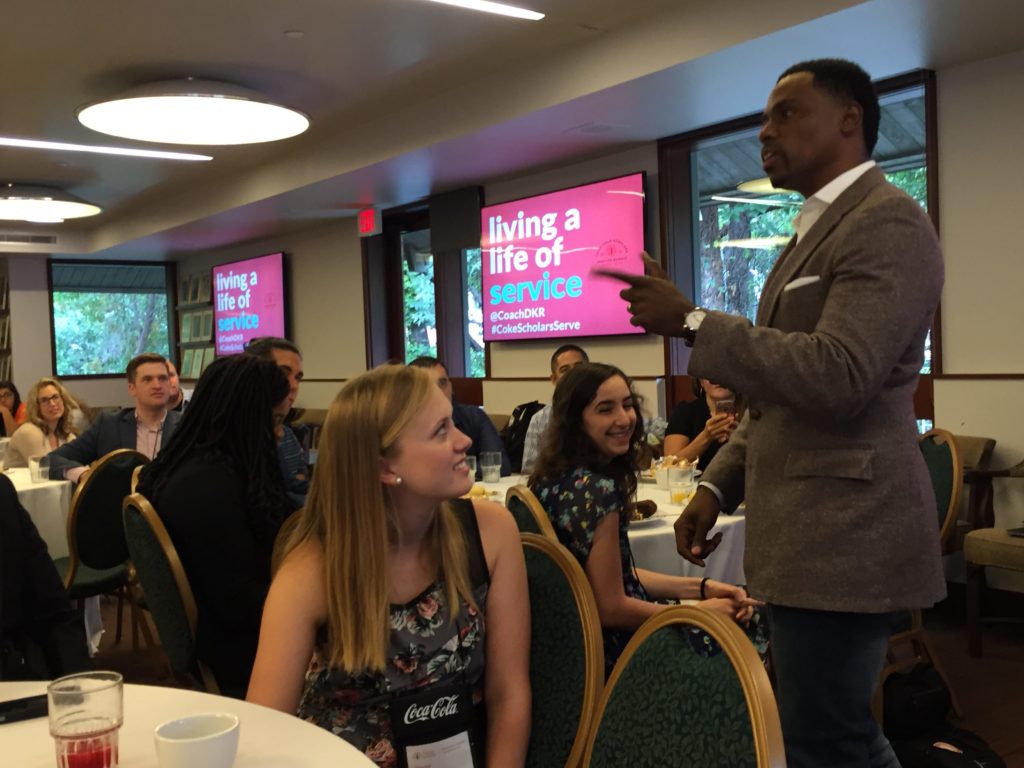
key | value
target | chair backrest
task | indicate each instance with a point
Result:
(942, 457)
(166, 587)
(95, 533)
(672, 702)
(975, 452)
(528, 512)
(566, 653)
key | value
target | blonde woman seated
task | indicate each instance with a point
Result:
(47, 426)
(698, 428)
(401, 596)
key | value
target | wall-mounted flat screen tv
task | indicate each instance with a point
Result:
(248, 301)
(538, 254)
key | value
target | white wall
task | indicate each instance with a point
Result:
(326, 301)
(981, 157)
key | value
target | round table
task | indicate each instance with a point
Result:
(653, 541)
(268, 738)
(48, 504)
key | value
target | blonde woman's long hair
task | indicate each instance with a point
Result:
(349, 513)
(65, 428)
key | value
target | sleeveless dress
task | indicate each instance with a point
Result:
(426, 648)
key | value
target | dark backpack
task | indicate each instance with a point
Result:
(514, 433)
(916, 704)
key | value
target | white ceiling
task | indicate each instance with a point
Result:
(409, 97)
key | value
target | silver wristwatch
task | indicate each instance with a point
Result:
(691, 324)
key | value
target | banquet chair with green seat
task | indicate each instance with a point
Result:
(166, 587)
(98, 562)
(671, 702)
(566, 654)
(529, 514)
(942, 457)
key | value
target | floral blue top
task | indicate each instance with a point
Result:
(576, 502)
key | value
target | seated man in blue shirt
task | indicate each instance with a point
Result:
(292, 458)
(469, 419)
(146, 427)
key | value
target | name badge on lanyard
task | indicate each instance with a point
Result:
(434, 727)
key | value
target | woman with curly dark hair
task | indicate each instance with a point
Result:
(218, 489)
(585, 478)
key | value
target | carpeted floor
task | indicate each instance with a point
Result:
(990, 689)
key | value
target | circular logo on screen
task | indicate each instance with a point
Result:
(612, 252)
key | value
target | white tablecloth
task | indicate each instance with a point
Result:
(48, 504)
(653, 541)
(268, 738)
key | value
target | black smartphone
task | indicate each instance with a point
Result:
(23, 709)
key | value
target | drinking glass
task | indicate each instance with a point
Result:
(471, 463)
(86, 711)
(39, 468)
(490, 466)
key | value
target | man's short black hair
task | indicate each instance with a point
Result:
(567, 348)
(846, 81)
(145, 357)
(264, 346)
(426, 361)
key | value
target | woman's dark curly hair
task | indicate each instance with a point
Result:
(565, 443)
(8, 384)
(230, 418)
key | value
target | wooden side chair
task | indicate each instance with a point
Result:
(166, 587)
(669, 702)
(98, 562)
(529, 514)
(942, 457)
(566, 654)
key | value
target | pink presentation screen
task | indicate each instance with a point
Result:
(538, 253)
(248, 301)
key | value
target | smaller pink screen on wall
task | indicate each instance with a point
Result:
(538, 254)
(248, 302)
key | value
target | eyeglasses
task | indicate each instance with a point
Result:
(6, 395)
(49, 400)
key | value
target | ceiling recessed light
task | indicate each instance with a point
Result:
(499, 8)
(61, 146)
(42, 205)
(194, 112)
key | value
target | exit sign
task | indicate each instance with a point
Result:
(369, 222)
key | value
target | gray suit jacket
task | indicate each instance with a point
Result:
(107, 433)
(840, 510)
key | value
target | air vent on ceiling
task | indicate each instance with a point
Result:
(16, 239)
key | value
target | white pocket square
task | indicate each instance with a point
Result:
(800, 282)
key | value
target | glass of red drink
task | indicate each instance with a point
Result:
(86, 711)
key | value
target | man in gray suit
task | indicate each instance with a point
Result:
(841, 528)
(145, 428)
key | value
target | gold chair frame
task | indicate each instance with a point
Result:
(141, 504)
(762, 708)
(593, 644)
(127, 592)
(527, 497)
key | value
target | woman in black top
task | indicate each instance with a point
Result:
(218, 489)
(700, 427)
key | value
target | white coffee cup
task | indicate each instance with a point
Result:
(209, 739)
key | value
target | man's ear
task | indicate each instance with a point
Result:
(852, 120)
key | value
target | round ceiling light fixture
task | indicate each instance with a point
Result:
(193, 111)
(42, 205)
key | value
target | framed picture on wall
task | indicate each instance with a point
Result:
(204, 288)
(196, 367)
(208, 356)
(193, 288)
(183, 289)
(186, 362)
(207, 329)
(197, 326)
(185, 333)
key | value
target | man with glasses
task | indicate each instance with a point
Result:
(145, 428)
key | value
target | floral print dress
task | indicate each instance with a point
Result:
(426, 648)
(576, 503)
